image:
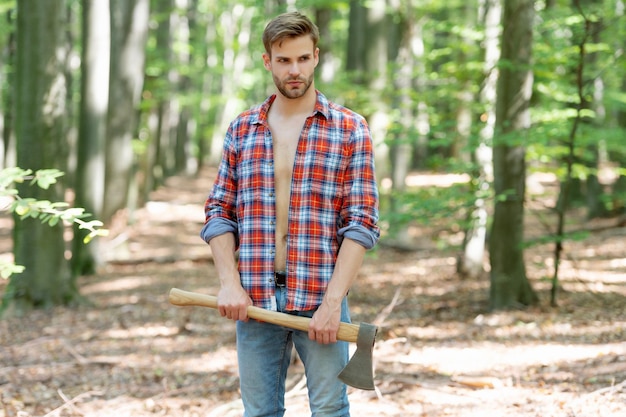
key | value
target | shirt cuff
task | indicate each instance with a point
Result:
(361, 235)
(216, 227)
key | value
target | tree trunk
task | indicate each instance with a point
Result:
(509, 284)
(40, 94)
(327, 66)
(129, 27)
(209, 87)
(460, 149)
(90, 164)
(408, 55)
(7, 58)
(234, 61)
(471, 260)
(595, 195)
(367, 60)
(182, 34)
(159, 160)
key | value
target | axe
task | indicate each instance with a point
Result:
(359, 371)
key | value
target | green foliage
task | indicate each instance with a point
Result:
(50, 213)
(560, 37)
(444, 208)
(575, 236)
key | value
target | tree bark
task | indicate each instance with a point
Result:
(40, 93)
(7, 58)
(510, 287)
(129, 28)
(367, 60)
(471, 260)
(90, 163)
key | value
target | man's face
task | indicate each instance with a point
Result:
(292, 64)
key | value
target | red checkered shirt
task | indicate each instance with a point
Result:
(333, 196)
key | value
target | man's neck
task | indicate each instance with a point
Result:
(287, 107)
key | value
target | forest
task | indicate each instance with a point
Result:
(499, 282)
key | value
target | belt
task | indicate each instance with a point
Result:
(280, 279)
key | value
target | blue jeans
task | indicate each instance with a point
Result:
(264, 353)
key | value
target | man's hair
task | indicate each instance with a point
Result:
(287, 26)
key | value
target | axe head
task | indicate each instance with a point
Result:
(359, 372)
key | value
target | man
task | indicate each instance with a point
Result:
(296, 196)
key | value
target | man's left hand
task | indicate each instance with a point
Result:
(324, 324)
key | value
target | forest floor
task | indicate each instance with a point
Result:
(439, 351)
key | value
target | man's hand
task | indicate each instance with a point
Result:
(324, 324)
(233, 302)
(232, 299)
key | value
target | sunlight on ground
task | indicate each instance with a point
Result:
(120, 284)
(222, 359)
(168, 212)
(140, 331)
(489, 357)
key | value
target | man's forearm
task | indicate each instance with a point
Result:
(223, 250)
(347, 267)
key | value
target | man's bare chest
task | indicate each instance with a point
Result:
(285, 139)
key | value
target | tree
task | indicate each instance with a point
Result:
(367, 52)
(7, 61)
(235, 57)
(509, 284)
(94, 103)
(129, 30)
(40, 93)
(471, 260)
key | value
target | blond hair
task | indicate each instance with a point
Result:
(287, 26)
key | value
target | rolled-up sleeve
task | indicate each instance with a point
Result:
(360, 209)
(220, 208)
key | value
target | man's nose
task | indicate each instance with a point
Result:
(294, 69)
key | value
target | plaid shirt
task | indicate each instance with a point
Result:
(333, 196)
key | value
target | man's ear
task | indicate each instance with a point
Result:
(317, 56)
(267, 61)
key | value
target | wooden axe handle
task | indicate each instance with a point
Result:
(347, 332)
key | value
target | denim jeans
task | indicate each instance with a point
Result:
(264, 353)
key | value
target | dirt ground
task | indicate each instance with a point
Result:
(438, 353)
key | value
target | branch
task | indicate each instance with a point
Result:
(46, 211)
(70, 403)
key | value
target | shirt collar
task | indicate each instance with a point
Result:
(321, 107)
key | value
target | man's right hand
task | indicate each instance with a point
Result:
(233, 302)
(232, 299)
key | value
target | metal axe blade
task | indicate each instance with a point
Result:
(359, 371)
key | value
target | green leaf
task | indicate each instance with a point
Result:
(44, 178)
(9, 268)
(95, 233)
(12, 175)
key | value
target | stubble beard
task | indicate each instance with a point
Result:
(293, 93)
